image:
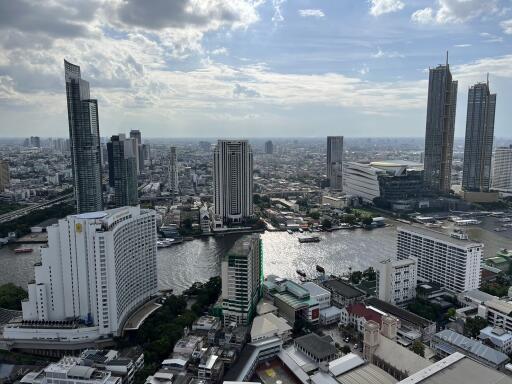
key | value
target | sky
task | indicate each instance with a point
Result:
(249, 68)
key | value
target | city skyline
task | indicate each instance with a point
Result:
(190, 76)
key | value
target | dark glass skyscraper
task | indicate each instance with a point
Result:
(442, 103)
(335, 161)
(122, 166)
(476, 174)
(84, 137)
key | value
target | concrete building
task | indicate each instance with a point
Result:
(476, 176)
(497, 338)
(122, 166)
(396, 281)
(84, 135)
(321, 295)
(5, 179)
(242, 275)
(450, 262)
(269, 147)
(172, 177)
(97, 269)
(268, 326)
(342, 293)
(335, 161)
(233, 181)
(440, 128)
(137, 149)
(502, 170)
(318, 348)
(497, 312)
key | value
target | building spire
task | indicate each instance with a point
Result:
(446, 58)
(487, 79)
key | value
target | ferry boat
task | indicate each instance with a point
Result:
(499, 229)
(312, 239)
(23, 250)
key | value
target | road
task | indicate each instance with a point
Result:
(26, 210)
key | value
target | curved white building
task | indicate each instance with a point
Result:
(97, 269)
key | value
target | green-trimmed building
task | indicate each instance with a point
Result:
(242, 275)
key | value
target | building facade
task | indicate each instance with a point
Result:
(137, 148)
(476, 174)
(269, 147)
(450, 262)
(335, 161)
(502, 170)
(242, 276)
(84, 135)
(122, 165)
(233, 180)
(173, 172)
(98, 267)
(5, 178)
(440, 129)
(396, 281)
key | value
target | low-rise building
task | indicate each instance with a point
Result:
(186, 346)
(321, 295)
(396, 281)
(318, 348)
(497, 338)
(268, 326)
(342, 293)
(498, 313)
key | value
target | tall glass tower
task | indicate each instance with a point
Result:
(476, 174)
(122, 165)
(84, 137)
(440, 129)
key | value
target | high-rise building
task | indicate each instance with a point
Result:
(35, 141)
(233, 180)
(242, 275)
(122, 166)
(440, 129)
(135, 134)
(84, 135)
(476, 174)
(335, 161)
(173, 172)
(453, 263)
(97, 269)
(502, 170)
(5, 178)
(4, 175)
(269, 147)
(396, 281)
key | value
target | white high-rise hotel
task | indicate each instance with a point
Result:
(450, 262)
(502, 171)
(233, 182)
(97, 269)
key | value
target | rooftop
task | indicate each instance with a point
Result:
(400, 357)
(315, 289)
(440, 236)
(343, 289)
(366, 374)
(361, 310)
(500, 305)
(319, 347)
(401, 314)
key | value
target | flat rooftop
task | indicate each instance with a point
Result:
(400, 313)
(440, 236)
(343, 289)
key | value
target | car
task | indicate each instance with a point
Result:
(346, 340)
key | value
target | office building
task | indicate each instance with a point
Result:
(5, 178)
(233, 181)
(476, 174)
(396, 281)
(137, 147)
(269, 147)
(122, 165)
(502, 170)
(383, 182)
(97, 269)
(173, 172)
(442, 259)
(242, 275)
(335, 161)
(84, 135)
(35, 141)
(440, 128)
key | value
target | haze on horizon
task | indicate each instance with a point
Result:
(249, 68)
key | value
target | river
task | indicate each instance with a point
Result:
(198, 260)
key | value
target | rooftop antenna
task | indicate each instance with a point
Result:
(446, 58)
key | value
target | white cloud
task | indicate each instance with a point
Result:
(278, 15)
(491, 38)
(380, 7)
(219, 51)
(470, 73)
(389, 55)
(462, 45)
(506, 25)
(455, 11)
(318, 13)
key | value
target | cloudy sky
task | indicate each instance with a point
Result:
(251, 68)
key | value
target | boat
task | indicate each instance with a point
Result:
(23, 250)
(312, 239)
(300, 273)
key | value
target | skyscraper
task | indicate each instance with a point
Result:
(122, 166)
(335, 161)
(84, 135)
(35, 141)
(440, 129)
(173, 172)
(98, 267)
(269, 147)
(233, 182)
(4, 175)
(139, 154)
(242, 276)
(476, 174)
(502, 170)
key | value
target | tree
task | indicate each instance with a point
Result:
(367, 220)
(345, 349)
(418, 348)
(326, 223)
(472, 326)
(370, 274)
(356, 276)
(450, 313)
(314, 215)
(11, 296)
